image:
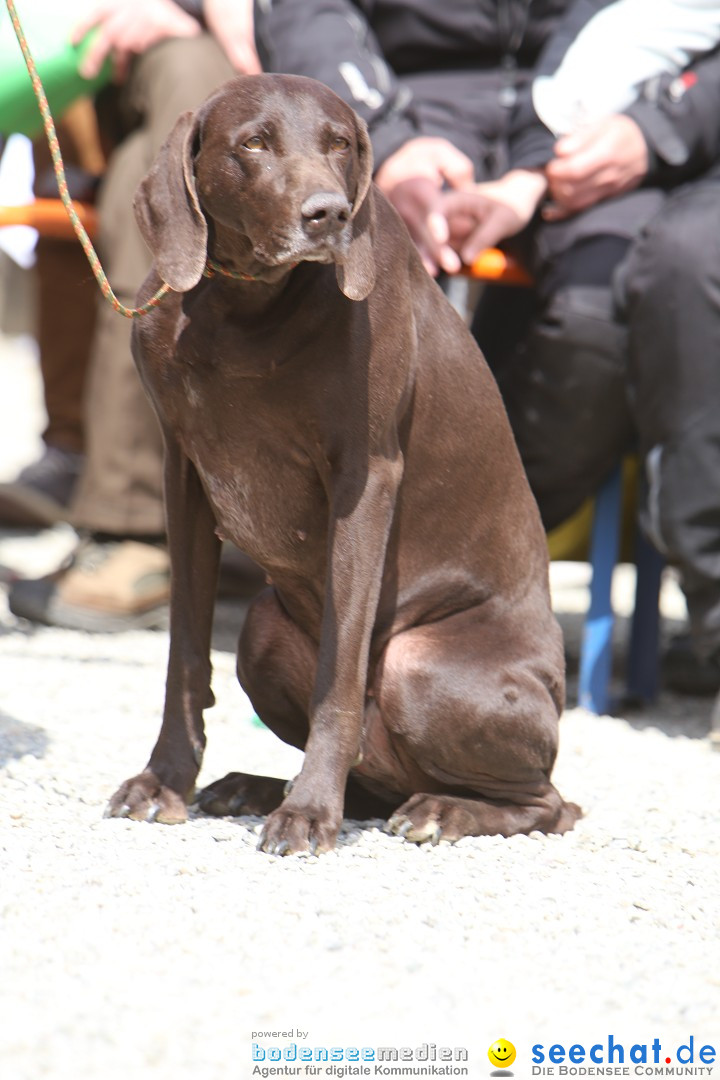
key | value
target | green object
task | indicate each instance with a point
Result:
(47, 26)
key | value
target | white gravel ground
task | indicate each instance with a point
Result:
(145, 952)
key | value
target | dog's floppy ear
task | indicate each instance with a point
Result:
(168, 212)
(356, 274)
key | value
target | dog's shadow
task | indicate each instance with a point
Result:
(19, 739)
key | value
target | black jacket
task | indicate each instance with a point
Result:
(414, 67)
(463, 69)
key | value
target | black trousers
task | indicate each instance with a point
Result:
(671, 297)
(619, 348)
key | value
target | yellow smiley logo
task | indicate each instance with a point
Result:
(502, 1053)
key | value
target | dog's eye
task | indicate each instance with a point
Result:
(255, 142)
(339, 144)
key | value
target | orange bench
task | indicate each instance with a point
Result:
(49, 217)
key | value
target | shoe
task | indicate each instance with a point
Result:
(101, 588)
(686, 673)
(42, 492)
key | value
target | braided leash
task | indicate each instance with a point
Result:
(80, 231)
(212, 268)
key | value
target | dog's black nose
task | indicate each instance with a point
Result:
(325, 214)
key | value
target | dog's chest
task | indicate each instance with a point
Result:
(260, 470)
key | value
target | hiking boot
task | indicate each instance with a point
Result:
(102, 588)
(42, 492)
(684, 672)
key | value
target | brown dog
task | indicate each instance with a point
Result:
(326, 409)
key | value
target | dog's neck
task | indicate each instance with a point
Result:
(247, 295)
(212, 267)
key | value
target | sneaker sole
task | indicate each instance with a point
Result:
(22, 507)
(68, 617)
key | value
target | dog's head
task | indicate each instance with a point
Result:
(270, 171)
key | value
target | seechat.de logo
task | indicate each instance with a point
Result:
(689, 1059)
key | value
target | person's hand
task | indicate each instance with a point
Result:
(413, 178)
(419, 203)
(484, 214)
(231, 22)
(597, 162)
(128, 27)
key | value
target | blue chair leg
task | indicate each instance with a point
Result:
(596, 652)
(643, 666)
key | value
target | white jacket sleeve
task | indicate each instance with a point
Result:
(617, 51)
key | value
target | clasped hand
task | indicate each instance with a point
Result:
(452, 219)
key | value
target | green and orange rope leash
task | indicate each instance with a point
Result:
(80, 231)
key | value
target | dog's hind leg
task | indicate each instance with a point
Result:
(276, 665)
(276, 668)
(432, 818)
(471, 702)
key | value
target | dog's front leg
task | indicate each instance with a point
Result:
(161, 791)
(310, 816)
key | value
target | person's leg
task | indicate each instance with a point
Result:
(66, 322)
(120, 576)
(565, 385)
(66, 288)
(121, 489)
(66, 294)
(672, 287)
(564, 382)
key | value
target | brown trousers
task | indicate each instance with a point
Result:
(66, 294)
(121, 487)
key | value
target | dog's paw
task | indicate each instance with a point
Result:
(292, 832)
(241, 793)
(144, 798)
(428, 819)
